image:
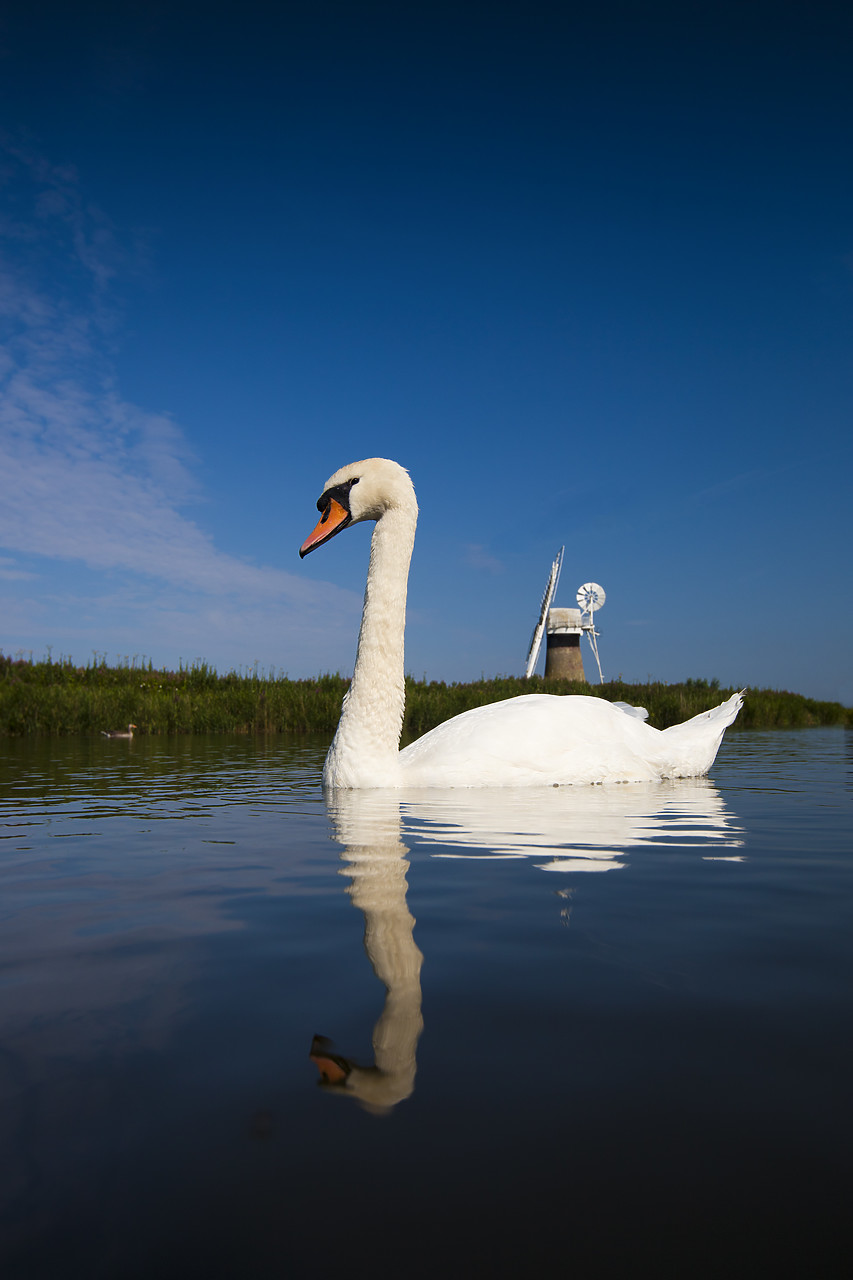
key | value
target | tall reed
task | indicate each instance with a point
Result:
(59, 697)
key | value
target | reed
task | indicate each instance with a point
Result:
(427, 704)
(59, 697)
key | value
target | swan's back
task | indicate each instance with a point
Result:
(547, 739)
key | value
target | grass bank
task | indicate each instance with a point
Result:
(61, 698)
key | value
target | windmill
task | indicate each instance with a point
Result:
(564, 628)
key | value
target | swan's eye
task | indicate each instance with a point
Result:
(340, 493)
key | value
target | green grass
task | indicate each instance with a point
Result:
(60, 698)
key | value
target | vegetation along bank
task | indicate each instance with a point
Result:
(50, 697)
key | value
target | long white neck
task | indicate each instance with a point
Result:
(366, 747)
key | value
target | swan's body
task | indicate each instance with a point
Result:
(119, 733)
(531, 740)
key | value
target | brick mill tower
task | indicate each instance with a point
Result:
(563, 631)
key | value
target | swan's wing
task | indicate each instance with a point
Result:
(639, 712)
(540, 738)
(537, 738)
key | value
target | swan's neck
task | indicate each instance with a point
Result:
(366, 746)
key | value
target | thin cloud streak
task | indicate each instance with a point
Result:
(8, 572)
(90, 479)
(479, 557)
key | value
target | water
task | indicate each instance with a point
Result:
(617, 1038)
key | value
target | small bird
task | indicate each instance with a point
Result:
(119, 733)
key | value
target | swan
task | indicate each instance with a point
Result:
(119, 733)
(531, 740)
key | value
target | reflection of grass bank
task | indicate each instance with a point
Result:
(59, 697)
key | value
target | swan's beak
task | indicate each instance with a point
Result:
(334, 518)
(333, 1068)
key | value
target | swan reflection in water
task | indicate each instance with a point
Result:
(368, 824)
(565, 829)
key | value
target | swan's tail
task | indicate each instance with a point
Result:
(694, 744)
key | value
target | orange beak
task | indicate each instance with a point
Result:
(332, 1070)
(333, 519)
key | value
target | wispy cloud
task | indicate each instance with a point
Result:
(477, 556)
(88, 478)
(9, 572)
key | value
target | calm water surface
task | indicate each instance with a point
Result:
(617, 1038)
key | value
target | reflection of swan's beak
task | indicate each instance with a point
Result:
(332, 1067)
(334, 518)
(376, 1089)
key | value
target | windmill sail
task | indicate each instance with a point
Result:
(539, 629)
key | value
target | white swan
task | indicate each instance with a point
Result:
(529, 740)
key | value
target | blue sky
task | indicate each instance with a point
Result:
(588, 275)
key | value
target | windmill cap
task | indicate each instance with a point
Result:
(564, 620)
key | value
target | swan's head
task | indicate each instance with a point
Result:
(361, 491)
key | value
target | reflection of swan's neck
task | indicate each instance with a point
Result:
(366, 746)
(367, 823)
(379, 889)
